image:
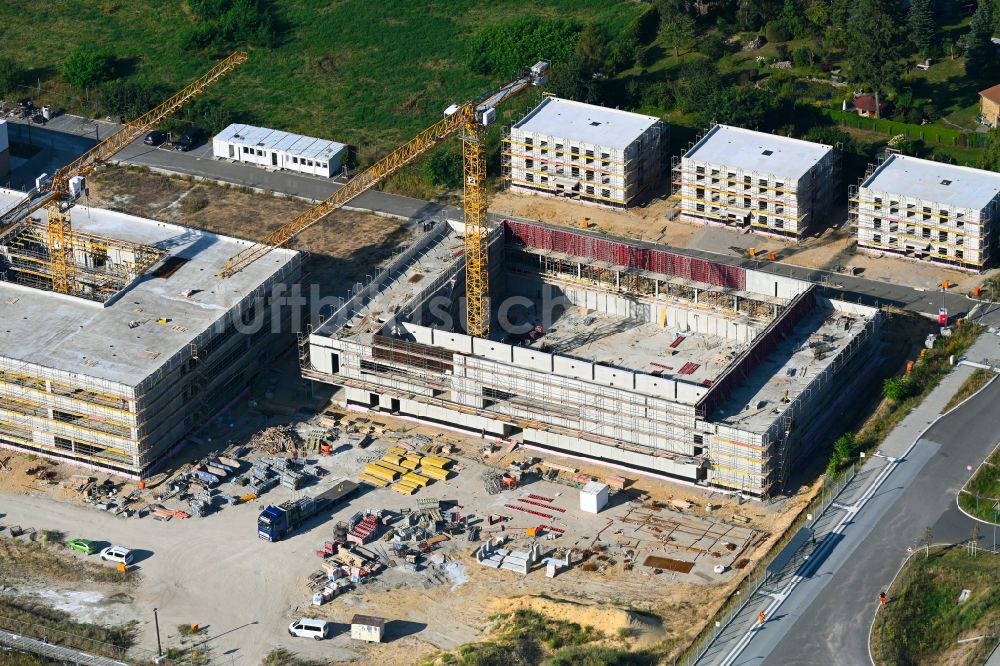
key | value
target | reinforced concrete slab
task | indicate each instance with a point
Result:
(128, 338)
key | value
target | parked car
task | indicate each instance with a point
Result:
(156, 137)
(85, 546)
(309, 628)
(188, 140)
(118, 554)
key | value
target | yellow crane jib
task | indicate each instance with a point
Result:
(468, 120)
(68, 182)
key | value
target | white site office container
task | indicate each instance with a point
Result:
(274, 149)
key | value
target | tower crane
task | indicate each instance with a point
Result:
(467, 120)
(68, 182)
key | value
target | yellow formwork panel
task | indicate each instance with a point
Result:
(383, 473)
(398, 450)
(374, 480)
(416, 478)
(409, 464)
(435, 473)
(404, 489)
(437, 461)
(394, 467)
(392, 458)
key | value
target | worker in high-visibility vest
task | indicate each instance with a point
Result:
(760, 618)
(882, 598)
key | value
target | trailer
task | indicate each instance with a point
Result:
(275, 522)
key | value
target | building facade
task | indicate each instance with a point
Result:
(585, 152)
(989, 106)
(118, 384)
(769, 183)
(274, 149)
(927, 211)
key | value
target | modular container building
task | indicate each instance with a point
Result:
(927, 211)
(585, 152)
(274, 149)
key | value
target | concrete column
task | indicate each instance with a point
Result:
(656, 287)
(696, 297)
(618, 280)
(579, 270)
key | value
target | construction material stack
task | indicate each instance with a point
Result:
(405, 471)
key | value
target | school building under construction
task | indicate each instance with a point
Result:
(606, 349)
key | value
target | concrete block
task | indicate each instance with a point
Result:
(421, 334)
(527, 357)
(614, 377)
(454, 341)
(572, 367)
(495, 351)
(658, 386)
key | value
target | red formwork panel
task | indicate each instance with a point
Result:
(624, 254)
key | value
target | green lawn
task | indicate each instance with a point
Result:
(351, 70)
(981, 494)
(923, 619)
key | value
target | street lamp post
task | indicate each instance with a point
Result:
(156, 621)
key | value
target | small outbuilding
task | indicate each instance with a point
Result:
(367, 628)
(989, 106)
(593, 497)
(274, 149)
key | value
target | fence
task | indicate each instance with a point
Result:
(63, 645)
(756, 578)
(927, 133)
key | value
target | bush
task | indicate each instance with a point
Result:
(896, 388)
(802, 57)
(776, 32)
(128, 99)
(85, 67)
(224, 23)
(713, 46)
(11, 75)
(503, 49)
(444, 168)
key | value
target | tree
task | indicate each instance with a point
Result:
(592, 48)
(676, 32)
(874, 44)
(695, 84)
(991, 156)
(980, 54)
(744, 106)
(572, 81)
(921, 25)
(11, 75)
(444, 168)
(85, 67)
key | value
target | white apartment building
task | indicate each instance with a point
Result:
(274, 149)
(585, 152)
(773, 184)
(928, 211)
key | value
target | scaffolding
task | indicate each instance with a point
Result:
(916, 228)
(762, 201)
(562, 166)
(102, 266)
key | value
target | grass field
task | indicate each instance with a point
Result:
(351, 70)
(923, 620)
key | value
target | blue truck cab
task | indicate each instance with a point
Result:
(275, 522)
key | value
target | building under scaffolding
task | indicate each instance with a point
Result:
(607, 349)
(150, 345)
(927, 210)
(770, 183)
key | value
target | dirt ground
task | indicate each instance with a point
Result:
(835, 246)
(214, 571)
(342, 247)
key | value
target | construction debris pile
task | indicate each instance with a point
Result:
(274, 440)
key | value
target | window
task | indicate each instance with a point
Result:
(762, 182)
(590, 189)
(877, 223)
(530, 177)
(959, 254)
(747, 179)
(761, 205)
(575, 172)
(590, 175)
(942, 236)
(700, 207)
(762, 219)
(877, 238)
(606, 194)
(529, 163)
(926, 232)
(246, 149)
(545, 179)
(779, 223)
(260, 152)
(699, 193)
(746, 202)
(779, 185)
(295, 160)
(700, 169)
(605, 156)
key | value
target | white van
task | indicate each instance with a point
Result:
(307, 628)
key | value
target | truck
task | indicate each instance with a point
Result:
(275, 522)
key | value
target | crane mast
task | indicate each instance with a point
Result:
(59, 195)
(468, 120)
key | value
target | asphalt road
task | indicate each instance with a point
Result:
(832, 611)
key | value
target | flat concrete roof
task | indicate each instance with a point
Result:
(935, 182)
(79, 336)
(586, 123)
(285, 142)
(738, 148)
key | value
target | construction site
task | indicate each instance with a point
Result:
(606, 349)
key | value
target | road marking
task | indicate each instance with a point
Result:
(826, 544)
